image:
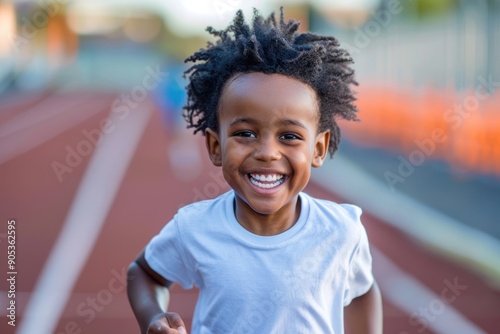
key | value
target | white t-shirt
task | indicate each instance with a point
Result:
(295, 282)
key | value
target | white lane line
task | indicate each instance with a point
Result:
(425, 224)
(75, 309)
(19, 100)
(43, 111)
(86, 216)
(427, 310)
(31, 134)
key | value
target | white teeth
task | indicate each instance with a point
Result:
(276, 179)
(268, 178)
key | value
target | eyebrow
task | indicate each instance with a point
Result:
(281, 122)
(242, 120)
(292, 122)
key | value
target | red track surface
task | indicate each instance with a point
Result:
(147, 198)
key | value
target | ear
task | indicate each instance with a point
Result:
(213, 146)
(320, 149)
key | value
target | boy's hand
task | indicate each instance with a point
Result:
(167, 323)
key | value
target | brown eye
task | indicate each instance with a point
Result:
(289, 136)
(245, 134)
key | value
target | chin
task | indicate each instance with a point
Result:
(264, 206)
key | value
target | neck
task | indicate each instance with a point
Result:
(267, 224)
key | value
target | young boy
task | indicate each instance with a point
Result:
(266, 257)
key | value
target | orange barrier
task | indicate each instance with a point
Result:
(463, 129)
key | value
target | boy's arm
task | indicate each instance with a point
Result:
(148, 296)
(364, 314)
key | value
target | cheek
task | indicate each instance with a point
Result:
(229, 163)
(300, 158)
(232, 160)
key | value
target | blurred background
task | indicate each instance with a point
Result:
(95, 157)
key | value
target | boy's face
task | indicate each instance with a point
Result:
(267, 140)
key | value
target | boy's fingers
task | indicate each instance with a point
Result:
(167, 323)
(175, 321)
(158, 328)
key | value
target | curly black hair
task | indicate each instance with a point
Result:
(271, 47)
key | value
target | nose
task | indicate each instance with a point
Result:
(267, 149)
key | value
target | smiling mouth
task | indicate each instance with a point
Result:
(268, 181)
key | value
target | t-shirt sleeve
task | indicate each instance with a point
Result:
(360, 278)
(166, 255)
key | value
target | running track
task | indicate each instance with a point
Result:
(77, 234)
